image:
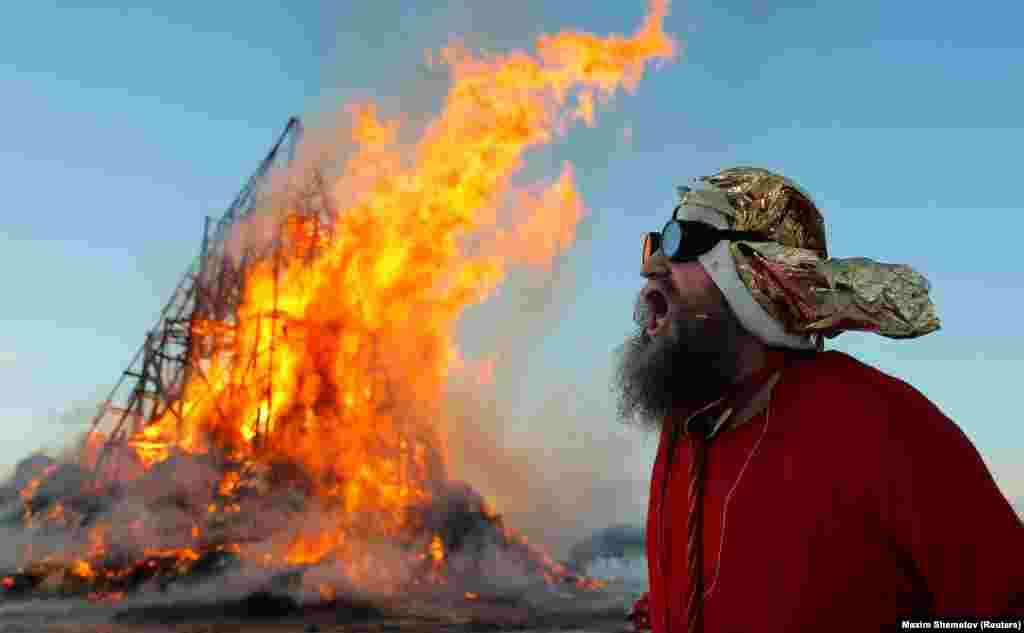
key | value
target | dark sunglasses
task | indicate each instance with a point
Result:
(686, 240)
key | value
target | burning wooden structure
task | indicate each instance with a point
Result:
(146, 440)
(284, 414)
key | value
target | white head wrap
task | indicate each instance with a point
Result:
(721, 267)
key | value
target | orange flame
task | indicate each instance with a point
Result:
(228, 483)
(82, 569)
(340, 350)
(436, 549)
(307, 550)
(29, 491)
(328, 593)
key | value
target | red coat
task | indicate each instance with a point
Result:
(863, 504)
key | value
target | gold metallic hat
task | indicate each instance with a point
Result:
(793, 279)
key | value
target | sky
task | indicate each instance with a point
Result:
(127, 125)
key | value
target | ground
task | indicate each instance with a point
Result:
(603, 615)
(298, 626)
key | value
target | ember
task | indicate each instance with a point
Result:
(284, 414)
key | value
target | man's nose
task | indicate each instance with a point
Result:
(657, 265)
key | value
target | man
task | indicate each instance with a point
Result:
(797, 489)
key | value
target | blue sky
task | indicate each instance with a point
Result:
(125, 126)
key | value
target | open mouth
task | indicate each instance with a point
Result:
(657, 310)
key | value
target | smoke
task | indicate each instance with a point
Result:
(557, 464)
(559, 478)
(161, 514)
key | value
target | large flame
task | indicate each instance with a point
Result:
(340, 349)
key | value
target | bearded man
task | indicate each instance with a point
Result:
(797, 489)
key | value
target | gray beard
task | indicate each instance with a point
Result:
(692, 363)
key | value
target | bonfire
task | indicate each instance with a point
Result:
(285, 415)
